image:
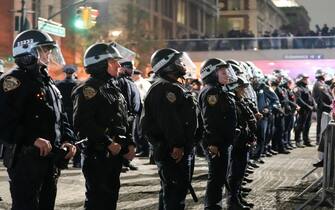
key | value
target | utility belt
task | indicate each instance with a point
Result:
(13, 152)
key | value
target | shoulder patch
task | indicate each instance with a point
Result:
(212, 99)
(89, 92)
(10, 83)
(171, 97)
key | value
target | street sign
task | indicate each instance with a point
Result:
(51, 28)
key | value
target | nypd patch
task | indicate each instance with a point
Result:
(171, 97)
(89, 92)
(212, 99)
(10, 83)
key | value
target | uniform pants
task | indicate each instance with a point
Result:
(278, 136)
(33, 182)
(289, 122)
(262, 125)
(102, 176)
(217, 177)
(174, 179)
(238, 164)
(303, 125)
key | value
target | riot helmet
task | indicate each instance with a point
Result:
(210, 67)
(168, 60)
(127, 68)
(301, 77)
(69, 69)
(97, 55)
(320, 74)
(33, 47)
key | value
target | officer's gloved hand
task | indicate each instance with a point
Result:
(114, 148)
(43, 145)
(71, 150)
(258, 115)
(131, 153)
(214, 151)
(177, 154)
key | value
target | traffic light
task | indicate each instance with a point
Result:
(86, 17)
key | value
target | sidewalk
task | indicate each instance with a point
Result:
(276, 183)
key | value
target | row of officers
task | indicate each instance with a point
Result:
(229, 117)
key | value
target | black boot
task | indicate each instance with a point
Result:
(245, 203)
(318, 164)
(235, 204)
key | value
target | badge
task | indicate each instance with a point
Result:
(212, 99)
(89, 92)
(10, 83)
(171, 97)
(295, 90)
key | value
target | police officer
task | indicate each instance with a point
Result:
(287, 85)
(278, 141)
(218, 113)
(169, 122)
(100, 116)
(323, 98)
(65, 87)
(246, 123)
(32, 124)
(304, 117)
(134, 104)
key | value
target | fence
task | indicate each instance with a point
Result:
(327, 191)
(252, 43)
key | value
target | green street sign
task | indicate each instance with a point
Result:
(51, 28)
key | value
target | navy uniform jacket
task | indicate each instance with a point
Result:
(31, 108)
(65, 87)
(100, 114)
(131, 94)
(169, 117)
(219, 115)
(304, 97)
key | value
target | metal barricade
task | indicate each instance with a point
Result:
(327, 191)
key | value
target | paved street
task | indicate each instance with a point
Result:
(276, 184)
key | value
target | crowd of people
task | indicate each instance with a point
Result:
(245, 40)
(233, 117)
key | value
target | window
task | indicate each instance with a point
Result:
(236, 23)
(167, 8)
(181, 12)
(234, 5)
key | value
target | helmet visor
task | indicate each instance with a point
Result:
(231, 75)
(50, 54)
(186, 63)
(125, 54)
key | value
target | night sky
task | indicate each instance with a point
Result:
(320, 12)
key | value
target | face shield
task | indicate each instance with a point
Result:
(126, 54)
(231, 75)
(186, 63)
(50, 54)
(250, 93)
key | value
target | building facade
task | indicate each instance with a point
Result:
(257, 16)
(11, 18)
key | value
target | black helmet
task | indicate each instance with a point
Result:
(26, 44)
(300, 77)
(211, 65)
(237, 69)
(128, 67)
(168, 60)
(99, 52)
(319, 73)
(232, 61)
(69, 69)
